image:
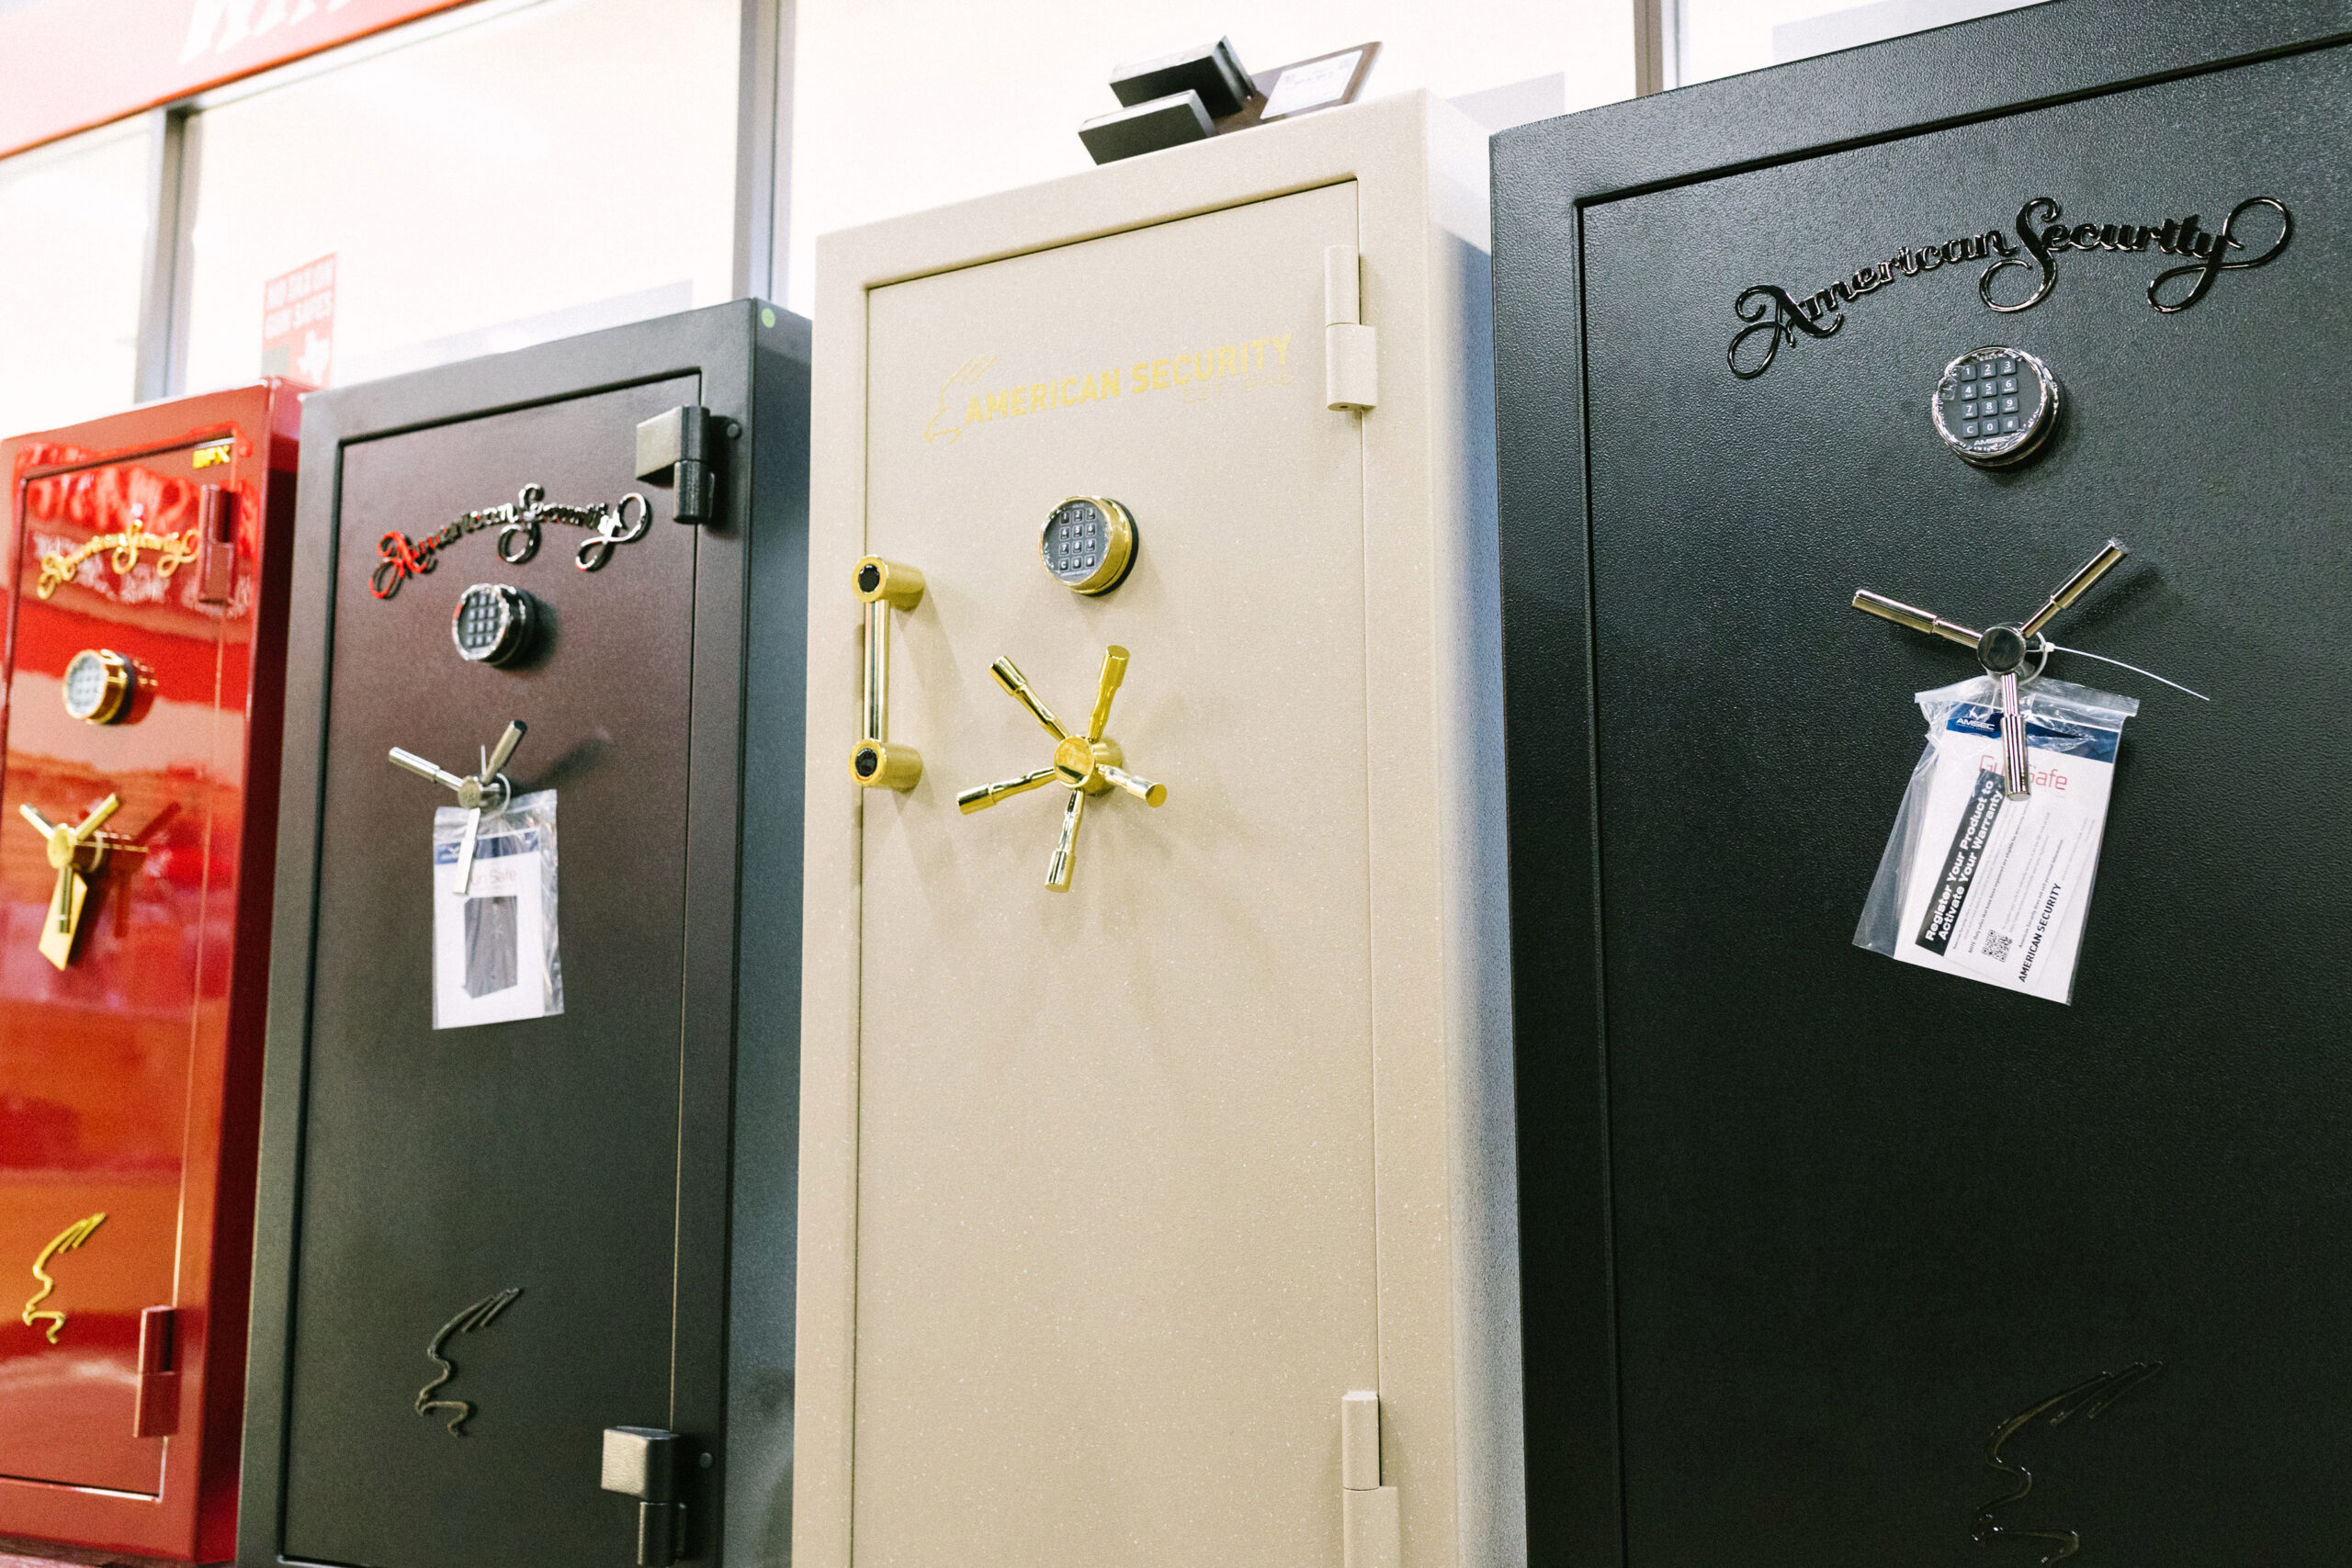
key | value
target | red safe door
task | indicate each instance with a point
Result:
(137, 811)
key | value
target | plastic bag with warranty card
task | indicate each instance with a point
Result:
(1982, 886)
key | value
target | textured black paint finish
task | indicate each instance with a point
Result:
(1802, 1226)
(602, 1160)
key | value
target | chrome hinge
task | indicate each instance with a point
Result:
(642, 1462)
(1369, 1531)
(216, 545)
(1351, 349)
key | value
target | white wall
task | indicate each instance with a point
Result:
(912, 104)
(72, 234)
(549, 171)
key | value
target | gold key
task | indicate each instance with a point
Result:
(74, 853)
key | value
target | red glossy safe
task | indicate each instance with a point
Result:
(145, 558)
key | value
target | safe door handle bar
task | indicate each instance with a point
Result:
(874, 762)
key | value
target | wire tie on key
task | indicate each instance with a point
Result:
(2103, 658)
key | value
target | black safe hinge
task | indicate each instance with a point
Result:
(685, 450)
(642, 1462)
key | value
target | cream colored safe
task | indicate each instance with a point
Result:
(1157, 1182)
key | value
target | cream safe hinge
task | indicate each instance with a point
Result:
(1370, 1535)
(1351, 351)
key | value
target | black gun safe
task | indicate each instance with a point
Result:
(1830, 1259)
(505, 1266)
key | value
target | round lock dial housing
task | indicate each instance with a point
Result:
(1089, 544)
(493, 623)
(100, 685)
(1996, 406)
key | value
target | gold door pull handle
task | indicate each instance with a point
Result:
(1083, 764)
(879, 582)
(875, 763)
(980, 799)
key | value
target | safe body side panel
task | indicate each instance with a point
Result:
(761, 1282)
(1415, 226)
(2205, 440)
(154, 1091)
(711, 356)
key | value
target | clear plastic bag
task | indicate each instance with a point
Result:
(495, 951)
(2027, 864)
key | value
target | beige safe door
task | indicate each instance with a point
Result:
(1112, 1193)
(1115, 1171)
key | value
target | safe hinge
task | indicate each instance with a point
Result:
(1371, 1532)
(642, 1462)
(216, 545)
(157, 1412)
(685, 448)
(1351, 349)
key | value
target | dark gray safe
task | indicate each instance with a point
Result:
(524, 1288)
(1830, 1259)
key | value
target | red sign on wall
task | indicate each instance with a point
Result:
(66, 65)
(298, 323)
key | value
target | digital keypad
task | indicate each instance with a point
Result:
(1089, 544)
(493, 624)
(1995, 405)
(98, 685)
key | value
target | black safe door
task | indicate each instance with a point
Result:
(442, 1167)
(1864, 1214)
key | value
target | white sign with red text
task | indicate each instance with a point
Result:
(298, 323)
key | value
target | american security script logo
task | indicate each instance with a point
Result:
(2245, 240)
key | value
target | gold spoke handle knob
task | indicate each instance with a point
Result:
(1084, 764)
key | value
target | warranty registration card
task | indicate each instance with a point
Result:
(1997, 888)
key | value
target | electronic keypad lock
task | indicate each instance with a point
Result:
(642, 1462)
(495, 623)
(1089, 544)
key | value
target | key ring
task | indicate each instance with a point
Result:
(2038, 647)
(614, 527)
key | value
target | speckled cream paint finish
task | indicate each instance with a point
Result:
(1108, 1196)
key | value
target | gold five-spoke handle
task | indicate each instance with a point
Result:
(1084, 764)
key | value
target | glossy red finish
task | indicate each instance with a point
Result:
(129, 1080)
